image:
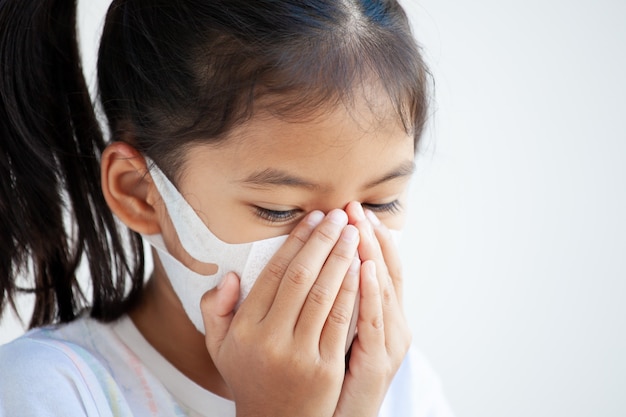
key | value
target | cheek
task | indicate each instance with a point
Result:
(395, 222)
(236, 223)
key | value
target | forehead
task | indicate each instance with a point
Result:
(328, 147)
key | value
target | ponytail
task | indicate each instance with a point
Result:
(50, 143)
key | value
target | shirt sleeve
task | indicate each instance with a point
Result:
(46, 378)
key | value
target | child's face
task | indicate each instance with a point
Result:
(270, 172)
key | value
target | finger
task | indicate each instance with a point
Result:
(333, 339)
(217, 307)
(397, 331)
(323, 293)
(335, 332)
(264, 290)
(369, 247)
(305, 268)
(390, 252)
(371, 324)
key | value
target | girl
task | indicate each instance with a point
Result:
(239, 131)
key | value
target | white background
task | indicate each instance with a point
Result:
(515, 252)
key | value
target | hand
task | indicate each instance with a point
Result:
(282, 353)
(383, 335)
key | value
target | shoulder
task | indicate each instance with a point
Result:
(416, 390)
(43, 374)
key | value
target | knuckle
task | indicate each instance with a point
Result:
(328, 235)
(340, 316)
(319, 294)
(270, 345)
(325, 373)
(387, 294)
(270, 349)
(298, 274)
(278, 266)
(342, 254)
(300, 235)
(377, 322)
(299, 364)
(271, 357)
(240, 335)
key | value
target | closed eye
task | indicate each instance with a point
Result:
(276, 216)
(392, 207)
(285, 216)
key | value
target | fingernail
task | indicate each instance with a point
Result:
(358, 212)
(350, 234)
(222, 282)
(372, 217)
(338, 217)
(370, 268)
(315, 218)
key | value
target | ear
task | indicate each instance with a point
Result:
(128, 188)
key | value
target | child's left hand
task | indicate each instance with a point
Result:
(383, 337)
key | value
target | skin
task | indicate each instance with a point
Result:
(326, 175)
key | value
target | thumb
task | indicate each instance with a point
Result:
(217, 307)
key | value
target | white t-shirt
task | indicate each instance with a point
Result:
(88, 368)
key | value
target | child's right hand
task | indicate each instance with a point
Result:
(282, 353)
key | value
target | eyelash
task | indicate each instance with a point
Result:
(279, 216)
(276, 216)
(392, 207)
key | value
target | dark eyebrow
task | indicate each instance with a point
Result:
(272, 176)
(405, 169)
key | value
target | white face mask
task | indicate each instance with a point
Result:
(247, 260)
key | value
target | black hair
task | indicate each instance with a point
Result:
(50, 142)
(170, 74)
